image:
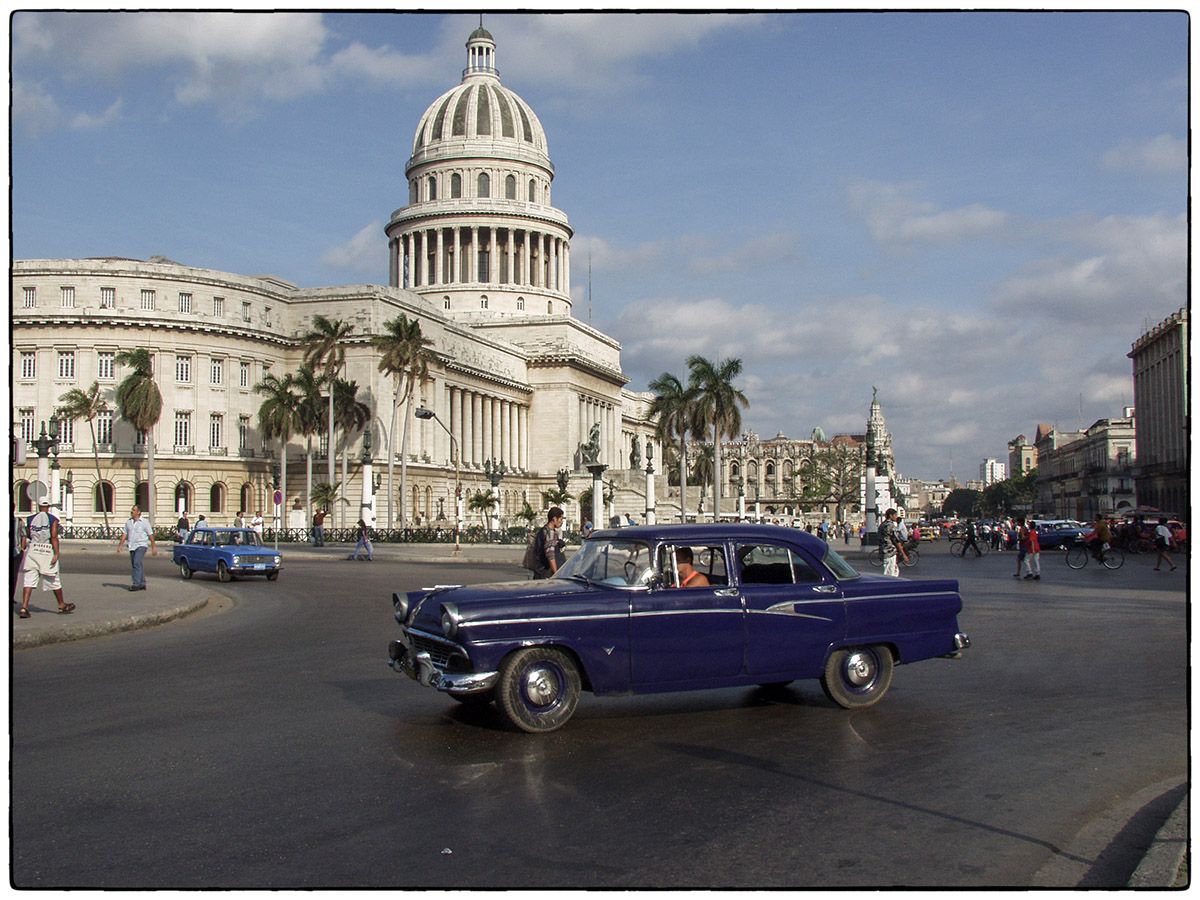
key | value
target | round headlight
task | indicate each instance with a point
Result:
(450, 620)
(237, 561)
(278, 560)
(400, 602)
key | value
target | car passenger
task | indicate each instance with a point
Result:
(688, 576)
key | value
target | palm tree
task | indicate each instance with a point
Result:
(324, 349)
(702, 468)
(720, 405)
(405, 356)
(81, 404)
(140, 402)
(279, 417)
(672, 409)
(312, 418)
(351, 415)
(482, 503)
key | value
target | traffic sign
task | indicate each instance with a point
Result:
(278, 497)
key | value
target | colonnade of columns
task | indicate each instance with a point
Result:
(488, 427)
(473, 254)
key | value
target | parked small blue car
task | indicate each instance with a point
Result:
(671, 608)
(228, 552)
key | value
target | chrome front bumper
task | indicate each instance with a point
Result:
(419, 667)
(961, 643)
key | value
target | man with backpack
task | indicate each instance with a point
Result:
(547, 549)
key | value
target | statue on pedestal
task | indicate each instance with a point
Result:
(635, 455)
(589, 452)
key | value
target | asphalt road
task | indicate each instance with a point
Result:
(269, 745)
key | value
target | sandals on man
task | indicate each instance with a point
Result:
(66, 608)
(24, 613)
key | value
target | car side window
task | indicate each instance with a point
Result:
(708, 560)
(764, 564)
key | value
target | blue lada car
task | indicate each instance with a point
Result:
(627, 614)
(227, 552)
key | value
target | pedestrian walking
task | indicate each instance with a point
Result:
(1033, 555)
(318, 535)
(257, 523)
(41, 559)
(1022, 534)
(364, 541)
(16, 551)
(138, 536)
(182, 528)
(548, 545)
(890, 544)
(1163, 541)
(971, 542)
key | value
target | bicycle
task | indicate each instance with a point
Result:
(875, 557)
(959, 546)
(1080, 552)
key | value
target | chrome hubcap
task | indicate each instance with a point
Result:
(860, 669)
(541, 686)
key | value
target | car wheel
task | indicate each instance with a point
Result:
(538, 689)
(271, 576)
(184, 569)
(223, 571)
(858, 677)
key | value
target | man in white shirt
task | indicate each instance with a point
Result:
(257, 522)
(138, 534)
(41, 559)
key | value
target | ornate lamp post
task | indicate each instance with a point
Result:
(69, 500)
(422, 413)
(276, 499)
(495, 472)
(739, 484)
(44, 445)
(650, 499)
(367, 506)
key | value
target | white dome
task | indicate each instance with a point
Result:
(480, 109)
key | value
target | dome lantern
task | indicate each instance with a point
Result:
(481, 53)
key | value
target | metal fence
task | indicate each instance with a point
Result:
(470, 535)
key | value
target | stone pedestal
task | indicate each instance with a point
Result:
(597, 470)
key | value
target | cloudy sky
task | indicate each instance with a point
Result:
(977, 213)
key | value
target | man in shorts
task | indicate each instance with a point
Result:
(41, 559)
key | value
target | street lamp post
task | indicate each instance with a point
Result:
(422, 413)
(739, 483)
(275, 500)
(44, 445)
(495, 472)
(651, 516)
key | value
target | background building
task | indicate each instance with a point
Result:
(1160, 379)
(991, 471)
(1085, 474)
(1022, 456)
(478, 257)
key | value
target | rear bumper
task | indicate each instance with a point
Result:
(961, 643)
(419, 667)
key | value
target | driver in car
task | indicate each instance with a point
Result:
(688, 576)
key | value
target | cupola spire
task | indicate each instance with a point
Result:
(481, 53)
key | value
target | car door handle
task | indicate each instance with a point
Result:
(726, 592)
(826, 588)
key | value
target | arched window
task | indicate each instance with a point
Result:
(455, 185)
(549, 307)
(216, 498)
(432, 183)
(532, 190)
(770, 471)
(412, 191)
(24, 503)
(183, 494)
(520, 303)
(510, 188)
(485, 185)
(102, 498)
(483, 303)
(141, 497)
(445, 303)
(246, 498)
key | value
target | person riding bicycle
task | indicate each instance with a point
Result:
(1101, 537)
(970, 540)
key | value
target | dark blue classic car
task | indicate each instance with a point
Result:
(228, 552)
(770, 605)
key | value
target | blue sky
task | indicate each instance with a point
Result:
(978, 213)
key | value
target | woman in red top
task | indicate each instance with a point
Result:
(1033, 554)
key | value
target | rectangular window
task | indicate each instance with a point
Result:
(185, 303)
(183, 369)
(108, 298)
(267, 316)
(66, 364)
(217, 371)
(139, 437)
(28, 364)
(243, 432)
(30, 297)
(214, 431)
(244, 374)
(105, 364)
(104, 427)
(66, 431)
(183, 429)
(245, 310)
(27, 433)
(218, 306)
(67, 297)
(147, 299)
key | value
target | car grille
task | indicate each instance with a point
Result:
(439, 653)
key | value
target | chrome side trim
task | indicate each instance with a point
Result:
(786, 609)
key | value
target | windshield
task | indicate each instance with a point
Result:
(838, 566)
(616, 562)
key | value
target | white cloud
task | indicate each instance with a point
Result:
(895, 216)
(1161, 155)
(34, 108)
(363, 254)
(87, 121)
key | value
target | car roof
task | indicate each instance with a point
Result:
(707, 532)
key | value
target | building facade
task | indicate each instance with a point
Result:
(1160, 396)
(478, 257)
(1022, 456)
(991, 471)
(1089, 473)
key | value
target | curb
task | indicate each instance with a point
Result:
(1162, 865)
(97, 629)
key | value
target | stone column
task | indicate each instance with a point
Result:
(486, 425)
(477, 430)
(567, 267)
(456, 420)
(497, 439)
(513, 451)
(473, 271)
(438, 272)
(525, 258)
(493, 260)
(393, 262)
(455, 253)
(509, 246)
(523, 436)
(407, 271)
